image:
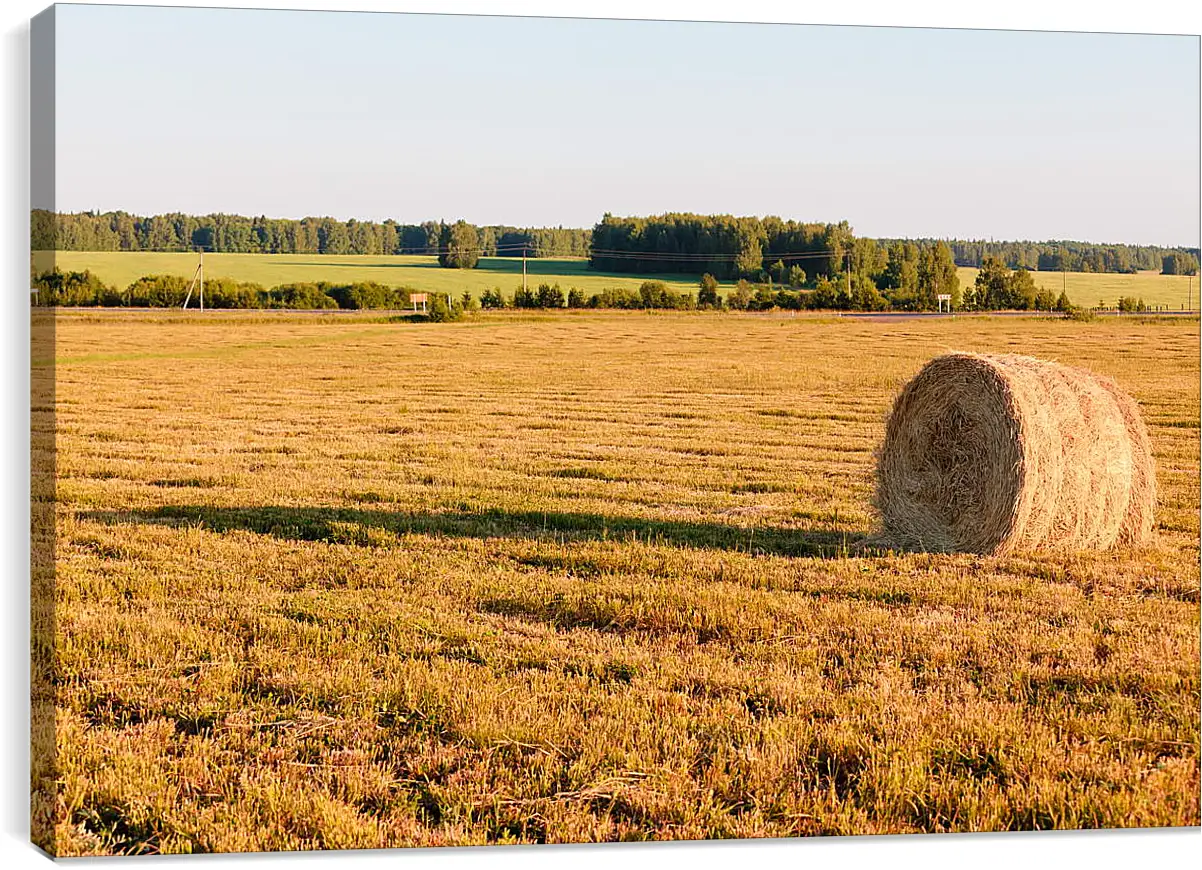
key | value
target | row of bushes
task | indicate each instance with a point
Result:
(169, 291)
(651, 294)
(745, 296)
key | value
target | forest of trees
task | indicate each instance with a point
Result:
(1180, 263)
(784, 255)
(785, 259)
(1068, 256)
(225, 233)
(722, 245)
(733, 247)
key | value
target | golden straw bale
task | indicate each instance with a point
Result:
(997, 453)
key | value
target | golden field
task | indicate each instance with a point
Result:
(329, 581)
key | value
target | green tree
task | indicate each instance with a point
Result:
(937, 277)
(707, 292)
(1173, 264)
(1045, 300)
(991, 289)
(741, 296)
(1020, 290)
(550, 296)
(525, 298)
(865, 296)
(750, 257)
(458, 246)
(332, 238)
(442, 309)
(900, 277)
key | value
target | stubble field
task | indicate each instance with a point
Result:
(329, 582)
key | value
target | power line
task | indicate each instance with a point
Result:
(494, 251)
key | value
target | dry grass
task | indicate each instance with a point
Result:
(340, 583)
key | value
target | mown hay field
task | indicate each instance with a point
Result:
(122, 268)
(330, 582)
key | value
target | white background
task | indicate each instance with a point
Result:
(1127, 849)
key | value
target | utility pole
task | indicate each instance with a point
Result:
(197, 276)
(849, 274)
(523, 269)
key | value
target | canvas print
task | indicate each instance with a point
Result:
(473, 430)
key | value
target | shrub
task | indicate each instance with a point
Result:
(865, 296)
(170, 291)
(616, 297)
(764, 299)
(158, 291)
(1045, 300)
(826, 295)
(298, 295)
(576, 298)
(492, 298)
(655, 294)
(441, 309)
(550, 296)
(741, 296)
(1082, 315)
(227, 293)
(73, 288)
(369, 294)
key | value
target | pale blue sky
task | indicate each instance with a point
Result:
(901, 132)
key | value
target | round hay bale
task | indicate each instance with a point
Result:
(997, 453)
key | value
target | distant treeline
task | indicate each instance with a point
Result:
(236, 234)
(1068, 256)
(733, 247)
(722, 245)
(838, 269)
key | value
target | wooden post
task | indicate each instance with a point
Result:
(202, 279)
(191, 285)
(523, 269)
